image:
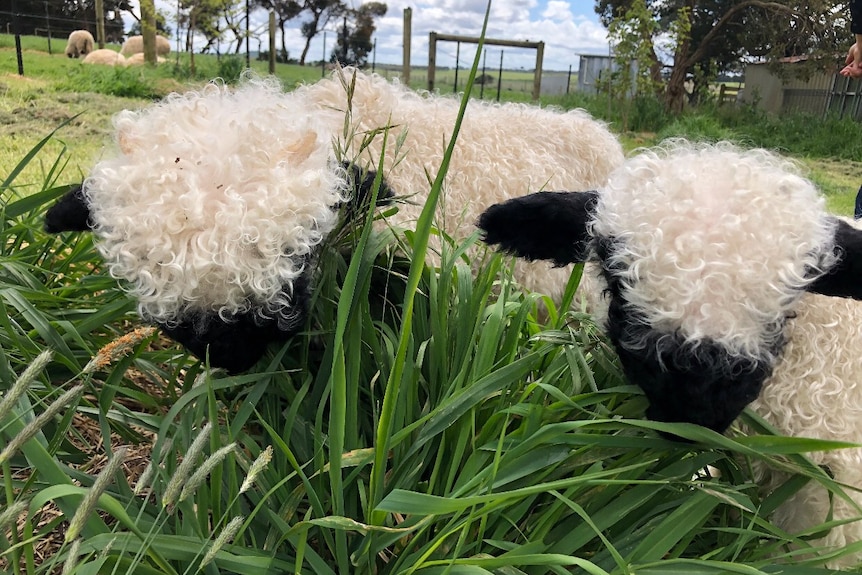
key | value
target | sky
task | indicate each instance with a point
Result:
(568, 28)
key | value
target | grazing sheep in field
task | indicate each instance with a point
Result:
(216, 203)
(138, 60)
(726, 281)
(80, 43)
(104, 57)
(135, 45)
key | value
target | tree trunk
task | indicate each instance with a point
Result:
(283, 45)
(305, 51)
(148, 30)
(675, 91)
(315, 22)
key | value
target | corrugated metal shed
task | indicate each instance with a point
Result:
(593, 66)
(824, 92)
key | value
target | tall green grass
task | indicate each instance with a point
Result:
(428, 420)
(468, 438)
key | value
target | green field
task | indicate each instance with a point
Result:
(448, 424)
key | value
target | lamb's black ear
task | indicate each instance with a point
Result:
(845, 277)
(542, 226)
(71, 213)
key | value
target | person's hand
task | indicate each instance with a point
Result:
(853, 62)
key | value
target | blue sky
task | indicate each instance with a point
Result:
(568, 28)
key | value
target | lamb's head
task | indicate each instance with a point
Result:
(705, 250)
(212, 211)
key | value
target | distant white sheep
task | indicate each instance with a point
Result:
(80, 43)
(138, 60)
(104, 57)
(222, 243)
(135, 45)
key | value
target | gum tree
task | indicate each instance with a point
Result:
(717, 34)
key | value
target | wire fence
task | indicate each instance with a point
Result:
(57, 28)
(554, 82)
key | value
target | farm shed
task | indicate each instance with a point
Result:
(822, 92)
(592, 67)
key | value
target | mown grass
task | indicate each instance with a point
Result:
(427, 420)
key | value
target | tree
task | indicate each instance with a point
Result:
(205, 17)
(234, 16)
(285, 11)
(354, 39)
(162, 26)
(636, 70)
(321, 12)
(714, 35)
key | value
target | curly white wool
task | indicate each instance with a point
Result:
(714, 242)
(216, 197)
(503, 151)
(135, 45)
(104, 57)
(212, 196)
(816, 391)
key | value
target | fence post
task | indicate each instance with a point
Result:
(500, 76)
(16, 24)
(457, 65)
(48, 26)
(484, 77)
(272, 41)
(405, 58)
(537, 79)
(432, 59)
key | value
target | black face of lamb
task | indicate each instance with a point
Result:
(236, 343)
(701, 384)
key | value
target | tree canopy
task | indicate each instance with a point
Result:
(354, 37)
(720, 34)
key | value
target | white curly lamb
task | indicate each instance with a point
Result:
(137, 59)
(135, 45)
(722, 268)
(104, 57)
(80, 43)
(215, 204)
